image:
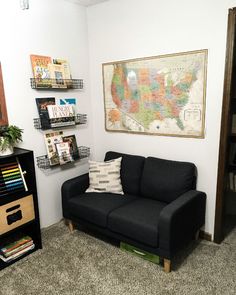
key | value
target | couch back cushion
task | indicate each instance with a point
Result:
(166, 180)
(131, 171)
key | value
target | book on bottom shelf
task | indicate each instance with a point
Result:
(16, 248)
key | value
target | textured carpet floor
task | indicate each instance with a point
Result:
(81, 264)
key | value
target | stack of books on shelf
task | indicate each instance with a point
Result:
(14, 249)
(11, 178)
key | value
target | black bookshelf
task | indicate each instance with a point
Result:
(21, 218)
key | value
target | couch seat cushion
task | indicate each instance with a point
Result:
(95, 207)
(137, 220)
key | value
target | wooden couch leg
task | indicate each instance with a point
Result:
(167, 265)
(71, 226)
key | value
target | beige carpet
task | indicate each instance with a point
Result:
(81, 264)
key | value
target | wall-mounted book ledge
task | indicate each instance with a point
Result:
(44, 123)
(37, 83)
(43, 162)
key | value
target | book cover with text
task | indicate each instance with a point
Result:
(40, 66)
(61, 115)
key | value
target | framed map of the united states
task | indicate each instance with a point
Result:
(161, 95)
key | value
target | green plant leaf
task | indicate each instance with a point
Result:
(9, 136)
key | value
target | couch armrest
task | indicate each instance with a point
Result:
(180, 220)
(71, 188)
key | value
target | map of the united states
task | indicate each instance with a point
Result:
(162, 95)
(148, 95)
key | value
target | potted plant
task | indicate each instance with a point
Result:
(9, 136)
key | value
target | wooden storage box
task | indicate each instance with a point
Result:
(16, 213)
(141, 253)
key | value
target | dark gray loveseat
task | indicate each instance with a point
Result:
(160, 211)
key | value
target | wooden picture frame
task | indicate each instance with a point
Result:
(3, 107)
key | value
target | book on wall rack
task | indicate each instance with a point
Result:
(57, 75)
(40, 67)
(42, 104)
(66, 67)
(61, 115)
(51, 140)
(71, 139)
(63, 150)
(11, 178)
(64, 101)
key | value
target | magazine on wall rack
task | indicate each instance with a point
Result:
(57, 75)
(64, 101)
(63, 151)
(51, 140)
(71, 139)
(66, 67)
(42, 104)
(40, 66)
(61, 115)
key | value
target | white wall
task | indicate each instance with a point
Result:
(128, 29)
(55, 28)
